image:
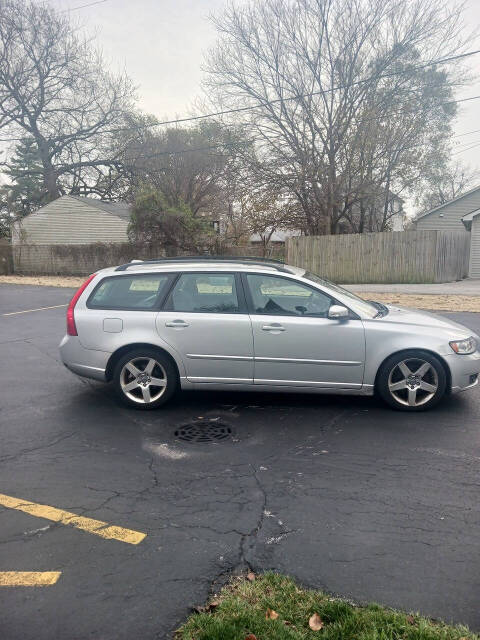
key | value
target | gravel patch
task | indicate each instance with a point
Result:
(45, 281)
(429, 301)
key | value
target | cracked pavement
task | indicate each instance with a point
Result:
(341, 493)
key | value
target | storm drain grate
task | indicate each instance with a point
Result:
(204, 431)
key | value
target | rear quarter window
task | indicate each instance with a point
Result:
(135, 292)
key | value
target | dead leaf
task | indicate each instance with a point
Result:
(251, 576)
(205, 609)
(251, 636)
(199, 609)
(271, 614)
(315, 622)
(410, 620)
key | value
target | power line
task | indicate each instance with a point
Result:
(276, 101)
(466, 144)
(375, 118)
(474, 146)
(219, 146)
(298, 97)
(83, 6)
(467, 133)
(182, 151)
(231, 144)
(164, 153)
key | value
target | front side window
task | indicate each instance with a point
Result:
(205, 292)
(359, 305)
(273, 295)
(140, 292)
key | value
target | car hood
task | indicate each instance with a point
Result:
(415, 317)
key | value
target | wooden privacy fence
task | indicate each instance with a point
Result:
(6, 261)
(83, 259)
(396, 257)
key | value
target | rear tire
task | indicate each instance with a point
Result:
(412, 381)
(145, 379)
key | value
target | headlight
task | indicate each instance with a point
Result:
(464, 347)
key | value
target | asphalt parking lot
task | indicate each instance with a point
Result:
(341, 493)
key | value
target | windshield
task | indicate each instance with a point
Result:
(358, 304)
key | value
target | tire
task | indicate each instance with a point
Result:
(412, 381)
(135, 375)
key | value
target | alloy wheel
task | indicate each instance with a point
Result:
(143, 380)
(413, 382)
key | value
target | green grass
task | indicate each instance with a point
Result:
(242, 607)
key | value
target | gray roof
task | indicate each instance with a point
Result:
(120, 209)
(469, 217)
(467, 193)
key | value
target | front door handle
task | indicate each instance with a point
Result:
(275, 327)
(177, 324)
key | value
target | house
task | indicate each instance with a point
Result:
(74, 220)
(274, 236)
(458, 214)
(396, 214)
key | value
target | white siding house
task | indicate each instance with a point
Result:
(74, 220)
(449, 215)
(456, 215)
(472, 222)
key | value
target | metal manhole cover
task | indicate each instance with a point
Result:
(204, 431)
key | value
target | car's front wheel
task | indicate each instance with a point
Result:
(145, 379)
(412, 381)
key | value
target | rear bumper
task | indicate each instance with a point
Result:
(87, 363)
(464, 371)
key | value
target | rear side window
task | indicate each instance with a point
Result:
(140, 292)
(205, 292)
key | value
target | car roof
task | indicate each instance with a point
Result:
(203, 264)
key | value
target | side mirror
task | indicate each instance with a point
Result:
(337, 311)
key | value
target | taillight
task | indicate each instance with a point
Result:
(71, 328)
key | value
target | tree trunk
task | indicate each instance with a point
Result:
(50, 183)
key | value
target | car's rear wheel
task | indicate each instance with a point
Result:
(412, 381)
(145, 379)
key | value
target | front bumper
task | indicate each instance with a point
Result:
(87, 363)
(464, 371)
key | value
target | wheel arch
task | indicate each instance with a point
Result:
(121, 351)
(442, 361)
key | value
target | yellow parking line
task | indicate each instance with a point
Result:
(28, 578)
(14, 313)
(96, 527)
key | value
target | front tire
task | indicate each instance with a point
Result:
(412, 381)
(145, 379)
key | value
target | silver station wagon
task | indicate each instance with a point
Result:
(250, 324)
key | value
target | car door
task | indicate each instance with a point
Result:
(205, 319)
(296, 344)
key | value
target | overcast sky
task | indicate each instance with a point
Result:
(161, 44)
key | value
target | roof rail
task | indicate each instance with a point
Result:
(276, 264)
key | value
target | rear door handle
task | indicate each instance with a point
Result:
(273, 327)
(177, 324)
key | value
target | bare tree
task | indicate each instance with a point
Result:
(258, 211)
(343, 102)
(188, 166)
(55, 91)
(442, 186)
